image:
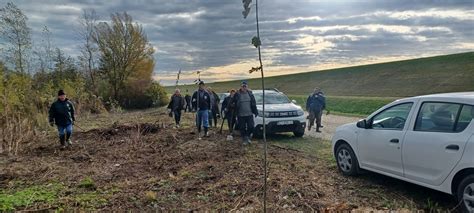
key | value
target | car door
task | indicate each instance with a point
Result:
(436, 143)
(379, 144)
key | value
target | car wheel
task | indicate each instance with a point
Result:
(465, 194)
(346, 160)
(299, 133)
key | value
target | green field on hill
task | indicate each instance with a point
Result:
(447, 73)
(346, 105)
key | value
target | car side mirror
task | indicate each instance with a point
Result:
(293, 101)
(362, 124)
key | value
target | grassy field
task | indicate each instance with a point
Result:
(358, 106)
(447, 73)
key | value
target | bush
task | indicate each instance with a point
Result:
(157, 95)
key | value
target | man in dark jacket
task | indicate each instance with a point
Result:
(246, 108)
(187, 98)
(61, 113)
(176, 106)
(215, 100)
(315, 105)
(201, 102)
(228, 110)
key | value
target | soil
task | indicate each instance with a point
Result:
(152, 166)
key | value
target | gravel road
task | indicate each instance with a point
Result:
(330, 123)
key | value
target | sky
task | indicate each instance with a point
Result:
(212, 36)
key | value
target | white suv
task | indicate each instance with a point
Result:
(426, 140)
(281, 114)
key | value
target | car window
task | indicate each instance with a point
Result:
(437, 117)
(465, 117)
(392, 118)
(271, 98)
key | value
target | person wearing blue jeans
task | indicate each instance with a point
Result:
(201, 102)
(61, 113)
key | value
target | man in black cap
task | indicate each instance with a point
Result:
(201, 102)
(246, 108)
(61, 113)
(315, 104)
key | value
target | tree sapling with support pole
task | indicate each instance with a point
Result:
(257, 43)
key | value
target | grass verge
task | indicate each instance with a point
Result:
(346, 105)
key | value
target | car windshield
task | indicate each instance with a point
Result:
(271, 98)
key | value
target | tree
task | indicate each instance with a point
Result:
(17, 34)
(88, 57)
(123, 46)
(45, 51)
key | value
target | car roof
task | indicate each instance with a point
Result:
(458, 97)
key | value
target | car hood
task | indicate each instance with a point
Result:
(346, 126)
(279, 107)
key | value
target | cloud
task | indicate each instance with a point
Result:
(297, 36)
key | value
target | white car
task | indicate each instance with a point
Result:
(425, 140)
(281, 114)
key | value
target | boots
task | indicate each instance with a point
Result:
(317, 129)
(206, 132)
(68, 139)
(62, 141)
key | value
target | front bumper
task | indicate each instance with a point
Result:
(274, 127)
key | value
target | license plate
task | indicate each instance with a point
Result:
(284, 122)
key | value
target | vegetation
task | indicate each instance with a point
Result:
(31, 75)
(11, 200)
(447, 73)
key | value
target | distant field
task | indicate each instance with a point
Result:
(348, 105)
(448, 73)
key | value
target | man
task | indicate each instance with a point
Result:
(61, 113)
(228, 110)
(187, 98)
(246, 108)
(315, 105)
(176, 105)
(201, 102)
(215, 100)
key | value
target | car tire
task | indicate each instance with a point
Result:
(299, 133)
(346, 160)
(465, 194)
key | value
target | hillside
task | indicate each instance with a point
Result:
(447, 73)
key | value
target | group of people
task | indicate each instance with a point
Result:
(239, 108)
(178, 103)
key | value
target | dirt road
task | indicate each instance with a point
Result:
(330, 123)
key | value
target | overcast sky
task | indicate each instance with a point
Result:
(297, 35)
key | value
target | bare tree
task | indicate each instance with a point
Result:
(17, 34)
(123, 47)
(88, 23)
(44, 52)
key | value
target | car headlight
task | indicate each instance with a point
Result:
(260, 114)
(300, 112)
